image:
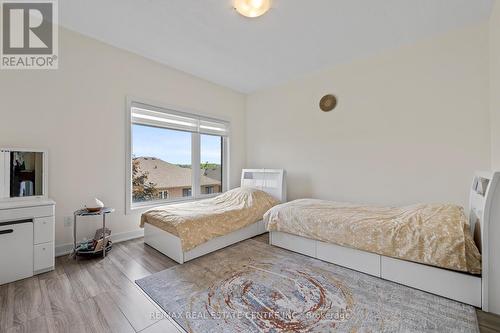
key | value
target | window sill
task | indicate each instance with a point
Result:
(141, 208)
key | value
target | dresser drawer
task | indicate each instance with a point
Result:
(44, 230)
(43, 257)
(26, 212)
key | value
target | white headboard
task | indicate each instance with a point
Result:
(484, 211)
(271, 181)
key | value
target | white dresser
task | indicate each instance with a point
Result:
(26, 238)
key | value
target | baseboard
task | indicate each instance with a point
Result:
(65, 249)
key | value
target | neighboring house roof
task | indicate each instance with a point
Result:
(214, 173)
(168, 175)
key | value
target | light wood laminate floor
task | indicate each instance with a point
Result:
(100, 296)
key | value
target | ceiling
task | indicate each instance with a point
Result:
(208, 39)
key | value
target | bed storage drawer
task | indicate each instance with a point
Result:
(16, 251)
(293, 243)
(225, 240)
(459, 286)
(358, 260)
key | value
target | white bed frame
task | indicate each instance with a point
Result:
(466, 288)
(271, 181)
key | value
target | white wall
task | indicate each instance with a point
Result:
(411, 125)
(495, 150)
(495, 85)
(78, 113)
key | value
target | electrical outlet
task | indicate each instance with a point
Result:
(68, 221)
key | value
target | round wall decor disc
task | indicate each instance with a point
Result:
(328, 103)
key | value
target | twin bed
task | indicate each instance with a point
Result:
(432, 247)
(189, 230)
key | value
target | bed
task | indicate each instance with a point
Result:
(185, 231)
(433, 247)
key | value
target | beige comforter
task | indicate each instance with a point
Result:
(433, 234)
(198, 222)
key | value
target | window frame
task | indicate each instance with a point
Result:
(132, 207)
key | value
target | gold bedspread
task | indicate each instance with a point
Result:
(433, 234)
(198, 222)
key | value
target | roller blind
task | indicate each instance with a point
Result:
(213, 127)
(159, 117)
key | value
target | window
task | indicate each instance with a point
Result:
(161, 163)
(211, 147)
(174, 155)
(186, 192)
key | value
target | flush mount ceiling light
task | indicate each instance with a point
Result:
(252, 8)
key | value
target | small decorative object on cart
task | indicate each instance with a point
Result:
(91, 248)
(100, 241)
(94, 205)
(94, 247)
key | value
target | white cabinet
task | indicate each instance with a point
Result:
(16, 251)
(26, 238)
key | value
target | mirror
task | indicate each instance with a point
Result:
(21, 173)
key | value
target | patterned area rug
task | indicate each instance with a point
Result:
(255, 287)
